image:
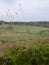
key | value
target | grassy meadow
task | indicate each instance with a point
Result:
(22, 32)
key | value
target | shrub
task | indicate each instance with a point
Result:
(39, 55)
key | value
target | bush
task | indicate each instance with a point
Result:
(39, 55)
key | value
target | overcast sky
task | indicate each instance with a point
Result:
(27, 10)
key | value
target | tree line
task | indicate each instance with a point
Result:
(37, 23)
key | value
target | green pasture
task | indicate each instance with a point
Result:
(20, 37)
(29, 28)
(23, 28)
(32, 32)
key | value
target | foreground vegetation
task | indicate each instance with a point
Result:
(38, 54)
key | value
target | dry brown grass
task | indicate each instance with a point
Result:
(28, 43)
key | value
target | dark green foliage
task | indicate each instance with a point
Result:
(39, 55)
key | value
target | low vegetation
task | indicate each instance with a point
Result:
(38, 54)
(22, 32)
(24, 45)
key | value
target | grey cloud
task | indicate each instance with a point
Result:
(32, 9)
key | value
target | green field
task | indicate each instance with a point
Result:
(22, 32)
(23, 28)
